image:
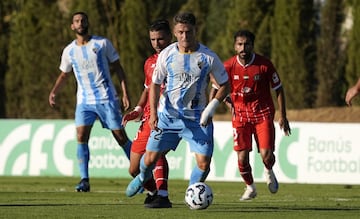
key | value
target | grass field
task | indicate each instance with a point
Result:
(54, 197)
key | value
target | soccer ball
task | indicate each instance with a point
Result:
(198, 196)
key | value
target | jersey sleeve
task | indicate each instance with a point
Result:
(65, 64)
(147, 73)
(275, 81)
(159, 73)
(111, 53)
(218, 71)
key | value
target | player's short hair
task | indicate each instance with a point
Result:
(79, 13)
(245, 33)
(160, 25)
(185, 18)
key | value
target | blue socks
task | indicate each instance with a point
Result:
(145, 171)
(83, 156)
(198, 175)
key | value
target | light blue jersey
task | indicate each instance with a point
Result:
(187, 77)
(90, 64)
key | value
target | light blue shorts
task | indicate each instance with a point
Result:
(172, 130)
(109, 115)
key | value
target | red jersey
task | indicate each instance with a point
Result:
(149, 67)
(250, 89)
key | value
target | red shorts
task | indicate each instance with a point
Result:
(264, 135)
(141, 138)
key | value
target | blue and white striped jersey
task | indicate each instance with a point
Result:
(90, 64)
(187, 78)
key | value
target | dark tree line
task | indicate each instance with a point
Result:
(314, 45)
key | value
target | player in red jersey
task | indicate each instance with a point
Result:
(251, 77)
(157, 197)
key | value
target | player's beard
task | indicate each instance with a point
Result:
(82, 31)
(243, 55)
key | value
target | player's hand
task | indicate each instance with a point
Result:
(284, 125)
(52, 99)
(350, 94)
(228, 102)
(125, 102)
(132, 115)
(153, 121)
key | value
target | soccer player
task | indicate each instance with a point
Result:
(251, 76)
(352, 92)
(183, 111)
(88, 56)
(157, 197)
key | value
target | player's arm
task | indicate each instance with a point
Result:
(121, 76)
(227, 100)
(219, 95)
(352, 92)
(283, 122)
(60, 81)
(137, 111)
(154, 101)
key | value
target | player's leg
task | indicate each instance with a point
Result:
(110, 118)
(243, 146)
(201, 170)
(147, 164)
(123, 140)
(138, 148)
(266, 143)
(84, 118)
(161, 173)
(165, 137)
(201, 142)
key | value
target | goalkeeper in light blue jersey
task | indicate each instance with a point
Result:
(183, 111)
(88, 57)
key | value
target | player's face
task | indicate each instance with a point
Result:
(243, 47)
(186, 37)
(80, 24)
(159, 40)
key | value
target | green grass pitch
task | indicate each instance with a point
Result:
(54, 197)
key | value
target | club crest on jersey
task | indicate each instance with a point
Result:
(236, 77)
(275, 78)
(200, 64)
(256, 77)
(246, 90)
(95, 50)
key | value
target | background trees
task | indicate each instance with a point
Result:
(313, 44)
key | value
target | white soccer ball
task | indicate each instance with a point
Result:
(198, 196)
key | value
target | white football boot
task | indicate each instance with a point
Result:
(250, 193)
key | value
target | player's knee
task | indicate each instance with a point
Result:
(269, 161)
(203, 165)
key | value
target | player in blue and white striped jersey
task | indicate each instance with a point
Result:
(88, 57)
(184, 112)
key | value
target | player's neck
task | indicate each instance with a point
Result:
(82, 40)
(245, 60)
(189, 49)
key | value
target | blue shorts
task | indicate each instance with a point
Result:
(109, 115)
(172, 130)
